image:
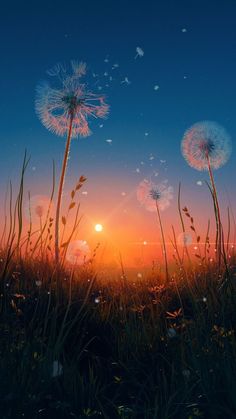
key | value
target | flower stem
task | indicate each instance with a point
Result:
(59, 197)
(217, 210)
(163, 242)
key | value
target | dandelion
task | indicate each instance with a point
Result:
(78, 252)
(65, 109)
(140, 52)
(156, 198)
(207, 146)
(184, 239)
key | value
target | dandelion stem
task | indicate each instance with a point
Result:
(217, 209)
(63, 172)
(163, 241)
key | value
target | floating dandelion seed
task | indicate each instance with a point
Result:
(65, 109)
(199, 182)
(78, 252)
(126, 81)
(206, 141)
(206, 146)
(140, 52)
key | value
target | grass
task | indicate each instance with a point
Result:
(76, 344)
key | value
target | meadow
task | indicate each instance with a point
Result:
(76, 342)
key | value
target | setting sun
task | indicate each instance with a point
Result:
(98, 228)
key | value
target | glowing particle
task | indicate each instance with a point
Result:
(199, 183)
(156, 87)
(146, 134)
(109, 141)
(184, 30)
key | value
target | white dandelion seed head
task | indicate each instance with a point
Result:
(206, 140)
(78, 252)
(36, 207)
(149, 195)
(184, 239)
(68, 98)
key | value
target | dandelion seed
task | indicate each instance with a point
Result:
(115, 66)
(123, 193)
(139, 275)
(106, 74)
(199, 183)
(204, 299)
(137, 170)
(146, 134)
(106, 60)
(109, 141)
(97, 300)
(140, 52)
(126, 81)
(156, 87)
(84, 193)
(101, 126)
(184, 30)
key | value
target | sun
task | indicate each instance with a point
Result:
(98, 228)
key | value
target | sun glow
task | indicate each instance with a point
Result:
(98, 228)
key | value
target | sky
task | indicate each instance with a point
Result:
(185, 75)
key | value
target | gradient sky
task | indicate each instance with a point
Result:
(189, 52)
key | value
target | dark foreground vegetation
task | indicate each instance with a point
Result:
(73, 345)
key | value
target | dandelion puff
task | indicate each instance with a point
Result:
(184, 239)
(205, 140)
(65, 107)
(78, 252)
(148, 193)
(207, 146)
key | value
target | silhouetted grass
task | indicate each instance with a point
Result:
(77, 344)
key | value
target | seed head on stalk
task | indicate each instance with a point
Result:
(64, 107)
(207, 146)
